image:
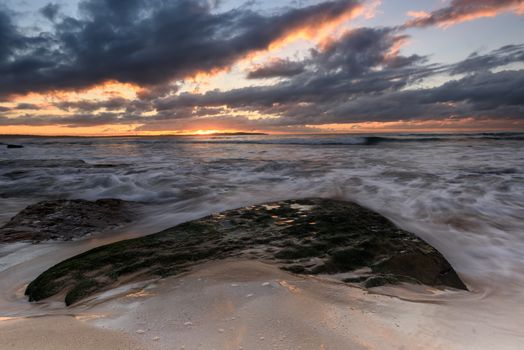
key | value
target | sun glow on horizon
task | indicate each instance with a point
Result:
(447, 125)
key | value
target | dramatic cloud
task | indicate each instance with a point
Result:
(29, 106)
(464, 10)
(482, 95)
(357, 80)
(50, 11)
(501, 57)
(146, 42)
(10, 39)
(90, 106)
(277, 69)
(134, 63)
(361, 62)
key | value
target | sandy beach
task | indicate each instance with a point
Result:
(251, 305)
(60, 333)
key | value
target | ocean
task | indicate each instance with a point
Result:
(462, 193)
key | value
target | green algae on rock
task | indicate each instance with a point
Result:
(66, 219)
(306, 236)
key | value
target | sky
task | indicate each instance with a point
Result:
(148, 67)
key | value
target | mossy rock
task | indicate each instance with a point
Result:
(307, 236)
(67, 219)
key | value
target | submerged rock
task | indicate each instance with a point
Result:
(50, 163)
(308, 236)
(14, 146)
(65, 219)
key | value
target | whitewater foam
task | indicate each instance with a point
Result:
(463, 193)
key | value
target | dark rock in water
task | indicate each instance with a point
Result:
(65, 219)
(309, 236)
(43, 163)
(51, 163)
(15, 146)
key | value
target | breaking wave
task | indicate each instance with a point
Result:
(313, 140)
(463, 193)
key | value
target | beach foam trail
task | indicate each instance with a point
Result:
(463, 193)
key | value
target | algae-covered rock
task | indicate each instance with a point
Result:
(65, 219)
(307, 236)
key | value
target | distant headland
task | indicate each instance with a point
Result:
(159, 135)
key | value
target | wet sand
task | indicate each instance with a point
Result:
(228, 305)
(61, 332)
(251, 305)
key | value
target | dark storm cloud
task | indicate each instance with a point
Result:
(464, 10)
(503, 56)
(90, 106)
(26, 106)
(50, 11)
(10, 39)
(483, 94)
(358, 79)
(361, 50)
(359, 63)
(485, 90)
(147, 42)
(277, 69)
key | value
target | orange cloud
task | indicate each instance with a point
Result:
(100, 92)
(371, 8)
(395, 48)
(318, 28)
(418, 14)
(448, 125)
(45, 102)
(58, 130)
(464, 10)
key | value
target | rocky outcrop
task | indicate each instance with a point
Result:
(66, 219)
(309, 236)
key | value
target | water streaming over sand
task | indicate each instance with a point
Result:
(463, 193)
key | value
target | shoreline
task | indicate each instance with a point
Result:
(246, 304)
(236, 303)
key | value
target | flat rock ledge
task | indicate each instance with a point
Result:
(66, 220)
(306, 236)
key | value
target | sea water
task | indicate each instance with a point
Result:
(463, 193)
